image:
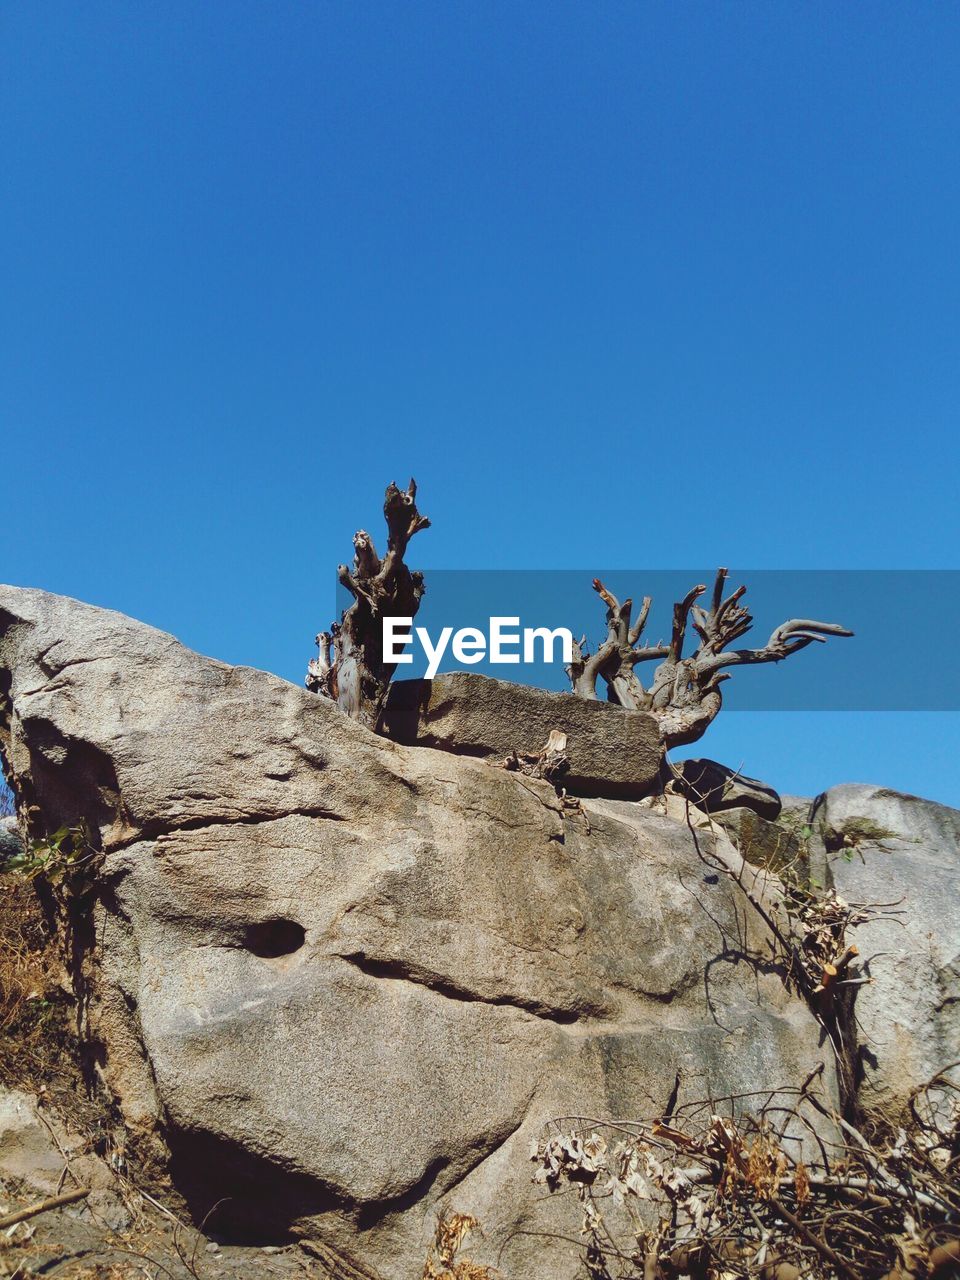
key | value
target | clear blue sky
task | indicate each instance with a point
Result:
(639, 284)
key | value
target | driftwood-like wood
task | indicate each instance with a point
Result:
(350, 667)
(550, 763)
(43, 1206)
(685, 693)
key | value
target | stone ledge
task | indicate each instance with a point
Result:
(714, 788)
(612, 752)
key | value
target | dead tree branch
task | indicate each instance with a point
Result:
(684, 694)
(43, 1206)
(763, 1187)
(350, 667)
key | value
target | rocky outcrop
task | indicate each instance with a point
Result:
(902, 853)
(894, 858)
(348, 981)
(611, 752)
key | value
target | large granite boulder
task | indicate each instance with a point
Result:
(348, 981)
(612, 752)
(881, 847)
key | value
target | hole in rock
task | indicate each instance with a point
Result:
(243, 1198)
(271, 939)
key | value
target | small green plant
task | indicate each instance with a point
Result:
(63, 861)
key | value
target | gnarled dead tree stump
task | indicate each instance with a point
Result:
(350, 667)
(685, 693)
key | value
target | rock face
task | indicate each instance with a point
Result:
(776, 845)
(11, 845)
(612, 752)
(348, 981)
(879, 846)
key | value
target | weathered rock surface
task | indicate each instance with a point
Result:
(351, 980)
(773, 844)
(11, 845)
(714, 787)
(612, 752)
(884, 847)
(782, 844)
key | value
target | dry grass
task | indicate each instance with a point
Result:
(36, 1041)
